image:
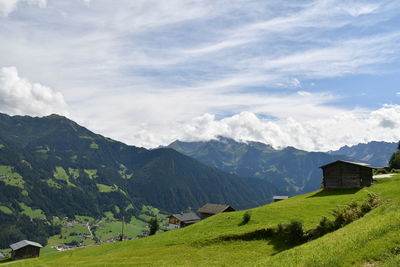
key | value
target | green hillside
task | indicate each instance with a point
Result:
(372, 240)
(53, 168)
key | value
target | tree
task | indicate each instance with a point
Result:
(394, 162)
(153, 225)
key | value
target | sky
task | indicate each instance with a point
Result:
(316, 75)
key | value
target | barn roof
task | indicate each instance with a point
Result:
(186, 217)
(280, 197)
(24, 243)
(350, 162)
(214, 208)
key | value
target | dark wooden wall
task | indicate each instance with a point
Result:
(26, 252)
(346, 175)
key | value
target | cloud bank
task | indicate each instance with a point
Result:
(344, 128)
(147, 72)
(8, 6)
(19, 96)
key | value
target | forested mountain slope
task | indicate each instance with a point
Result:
(292, 170)
(51, 166)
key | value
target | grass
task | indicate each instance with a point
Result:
(74, 173)
(91, 173)
(9, 177)
(93, 145)
(368, 241)
(32, 213)
(106, 188)
(52, 183)
(61, 174)
(123, 172)
(5, 210)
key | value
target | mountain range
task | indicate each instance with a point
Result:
(291, 170)
(374, 153)
(54, 167)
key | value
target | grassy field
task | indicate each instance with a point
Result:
(32, 213)
(9, 177)
(370, 241)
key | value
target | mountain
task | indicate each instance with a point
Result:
(374, 153)
(51, 166)
(292, 170)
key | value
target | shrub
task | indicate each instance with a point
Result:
(292, 232)
(295, 233)
(372, 202)
(381, 171)
(246, 218)
(325, 226)
(153, 225)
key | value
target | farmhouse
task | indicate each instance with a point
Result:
(25, 249)
(211, 209)
(346, 174)
(279, 198)
(182, 219)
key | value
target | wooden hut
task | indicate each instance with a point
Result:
(211, 209)
(25, 249)
(279, 198)
(182, 219)
(346, 174)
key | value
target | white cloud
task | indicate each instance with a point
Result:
(331, 132)
(140, 71)
(18, 96)
(8, 6)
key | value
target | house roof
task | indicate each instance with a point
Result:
(187, 217)
(280, 197)
(214, 208)
(24, 243)
(350, 162)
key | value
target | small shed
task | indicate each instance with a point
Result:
(25, 249)
(346, 174)
(183, 219)
(279, 198)
(211, 209)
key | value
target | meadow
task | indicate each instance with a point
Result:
(369, 241)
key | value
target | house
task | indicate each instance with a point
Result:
(25, 249)
(211, 209)
(279, 198)
(182, 219)
(346, 174)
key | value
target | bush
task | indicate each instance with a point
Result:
(380, 171)
(246, 218)
(394, 162)
(372, 202)
(294, 232)
(153, 226)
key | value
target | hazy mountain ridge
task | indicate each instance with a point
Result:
(376, 153)
(292, 170)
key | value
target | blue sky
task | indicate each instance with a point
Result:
(316, 75)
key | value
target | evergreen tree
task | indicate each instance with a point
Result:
(394, 162)
(153, 226)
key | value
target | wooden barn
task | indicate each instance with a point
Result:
(211, 209)
(182, 219)
(279, 198)
(346, 174)
(25, 249)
